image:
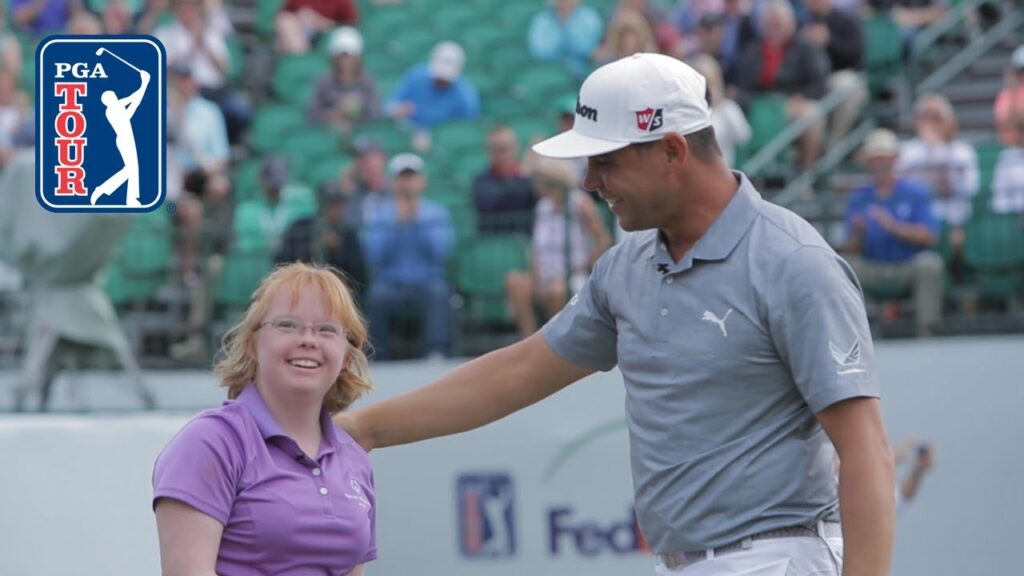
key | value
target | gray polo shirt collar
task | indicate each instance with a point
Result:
(720, 239)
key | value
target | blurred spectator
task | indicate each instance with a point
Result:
(324, 238)
(407, 248)
(707, 39)
(199, 36)
(628, 34)
(43, 17)
(84, 23)
(13, 111)
(731, 127)
(550, 282)
(1008, 178)
(260, 224)
(655, 12)
(435, 92)
(301, 22)
(947, 164)
(116, 17)
(1010, 101)
(891, 227)
(567, 32)
(347, 96)
(152, 14)
(10, 48)
(921, 456)
(785, 63)
(912, 16)
(502, 195)
(738, 31)
(365, 182)
(688, 14)
(841, 37)
(197, 150)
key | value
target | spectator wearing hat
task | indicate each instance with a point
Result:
(435, 92)
(365, 182)
(300, 23)
(1010, 100)
(324, 238)
(566, 227)
(408, 243)
(502, 194)
(947, 164)
(347, 96)
(569, 31)
(891, 227)
(260, 223)
(840, 35)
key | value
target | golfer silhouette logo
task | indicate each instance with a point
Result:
(102, 122)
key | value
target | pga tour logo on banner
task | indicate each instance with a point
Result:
(486, 515)
(100, 107)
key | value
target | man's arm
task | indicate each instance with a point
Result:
(866, 482)
(477, 393)
(135, 99)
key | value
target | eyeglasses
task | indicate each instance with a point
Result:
(327, 331)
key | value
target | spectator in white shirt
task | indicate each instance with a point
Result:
(731, 127)
(1008, 179)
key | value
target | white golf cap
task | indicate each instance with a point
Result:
(345, 40)
(446, 61)
(405, 162)
(639, 98)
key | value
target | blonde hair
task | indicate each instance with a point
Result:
(941, 104)
(708, 67)
(627, 21)
(237, 367)
(554, 169)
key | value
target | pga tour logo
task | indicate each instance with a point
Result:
(486, 515)
(100, 107)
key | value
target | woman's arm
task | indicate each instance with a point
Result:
(189, 540)
(357, 571)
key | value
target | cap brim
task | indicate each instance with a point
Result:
(572, 144)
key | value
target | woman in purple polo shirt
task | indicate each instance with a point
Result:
(266, 484)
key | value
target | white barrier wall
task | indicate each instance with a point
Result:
(544, 492)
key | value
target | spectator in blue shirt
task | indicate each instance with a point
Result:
(435, 92)
(568, 32)
(408, 242)
(891, 226)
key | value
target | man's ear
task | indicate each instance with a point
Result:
(676, 149)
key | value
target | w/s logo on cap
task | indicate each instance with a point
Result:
(649, 119)
(101, 110)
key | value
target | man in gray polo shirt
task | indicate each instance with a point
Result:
(741, 337)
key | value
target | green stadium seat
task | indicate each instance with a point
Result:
(235, 71)
(449, 20)
(324, 169)
(994, 249)
(767, 117)
(144, 259)
(305, 147)
(271, 123)
(543, 82)
(242, 274)
(294, 77)
(458, 136)
(247, 180)
(883, 56)
(505, 60)
(517, 15)
(266, 10)
(479, 40)
(469, 163)
(529, 127)
(988, 155)
(480, 274)
(391, 136)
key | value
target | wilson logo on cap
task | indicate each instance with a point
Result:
(584, 111)
(649, 119)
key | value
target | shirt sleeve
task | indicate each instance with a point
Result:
(820, 329)
(201, 466)
(584, 331)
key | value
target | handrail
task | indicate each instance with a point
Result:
(763, 157)
(830, 160)
(1006, 26)
(926, 38)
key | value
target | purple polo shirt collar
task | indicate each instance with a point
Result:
(250, 397)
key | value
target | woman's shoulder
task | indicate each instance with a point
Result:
(223, 429)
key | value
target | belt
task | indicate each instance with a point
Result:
(823, 528)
